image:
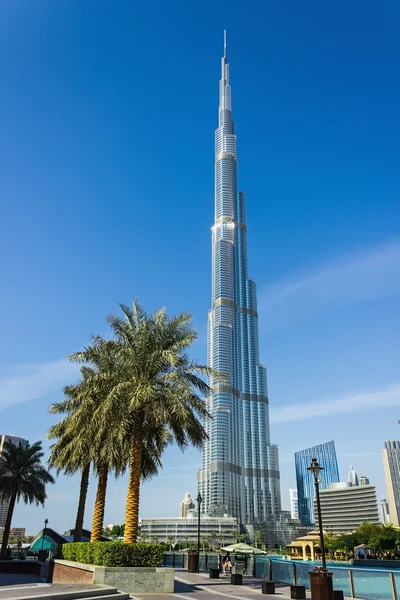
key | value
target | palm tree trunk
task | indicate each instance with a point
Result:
(82, 502)
(7, 526)
(98, 514)
(132, 500)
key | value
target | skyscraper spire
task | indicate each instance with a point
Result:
(240, 470)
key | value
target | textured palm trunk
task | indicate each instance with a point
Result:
(81, 505)
(7, 526)
(98, 514)
(132, 500)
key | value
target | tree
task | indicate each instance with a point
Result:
(154, 385)
(186, 538)
(241, 537)
(22, 475)
(71, 453)
(221, 539)
(170, 540)
(365, 532)
(204, 541)
(85, 436)
(155, 539)
(234, 534)
(118, 531)
(213, 535)
(257, 538)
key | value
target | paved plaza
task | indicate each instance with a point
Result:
(188, 586)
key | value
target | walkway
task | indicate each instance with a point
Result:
(190, 586)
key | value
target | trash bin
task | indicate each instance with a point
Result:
(268, 587)
(214, 573)
(321, 585)
(192, 563)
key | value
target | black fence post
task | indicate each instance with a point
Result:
(294, 574)
(173, 560)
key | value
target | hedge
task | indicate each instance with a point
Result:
(113, 554)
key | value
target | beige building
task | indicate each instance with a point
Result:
(4, 505)
(391, 465)
(16, 532)
(345, 506)
(306, 547)
(186, 506)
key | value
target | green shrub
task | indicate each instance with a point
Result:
(114, 554)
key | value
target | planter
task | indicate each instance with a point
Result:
(298, 592)
(192, 563)
(321, 585)
(214, 573)
(132, 580)
(236, 579)
(268, 587)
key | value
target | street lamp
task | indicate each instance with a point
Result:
(315, 469)
(44, 531)
(199, 500)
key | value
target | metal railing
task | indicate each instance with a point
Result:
(356, 582)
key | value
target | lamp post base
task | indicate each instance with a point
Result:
(321, 585)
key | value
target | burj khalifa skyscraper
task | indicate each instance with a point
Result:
(240, 466)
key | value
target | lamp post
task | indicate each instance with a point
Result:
(320, 579)
(44, 531)
(315, 469)
(199, 500)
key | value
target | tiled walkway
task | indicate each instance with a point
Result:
(189, 586)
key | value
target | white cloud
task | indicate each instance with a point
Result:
(361, 277)
(30, 381)
(389, 396)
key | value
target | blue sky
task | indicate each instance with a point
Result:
(106, 170)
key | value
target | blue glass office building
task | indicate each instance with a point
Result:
(326, 456)
(240, 468)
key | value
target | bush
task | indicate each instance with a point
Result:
(114, 554)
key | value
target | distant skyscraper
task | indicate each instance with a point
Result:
(294, 508)
(5, 504)
(240, 469)
(186, 505)
(364, 480)
(326, 456)
(391, 464)
(385, 511)
(353, 477)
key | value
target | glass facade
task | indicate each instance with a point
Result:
(326, 456)
(391, 461)
(240, 467)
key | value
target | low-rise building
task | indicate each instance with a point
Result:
(184, 529)
(15, 532)
(344, 507)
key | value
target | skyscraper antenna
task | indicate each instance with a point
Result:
(224, 43)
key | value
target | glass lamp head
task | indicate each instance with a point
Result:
(315, 468)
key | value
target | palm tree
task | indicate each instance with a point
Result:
(204, 541)
(234, 534)
(21, 476)
(213, 535)
(84, 438)
(186, 538)
(257, 538)
(241, 537)
(170, 540)
(155, 539)
(70, 454)
(154, 385)
(221, 539)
